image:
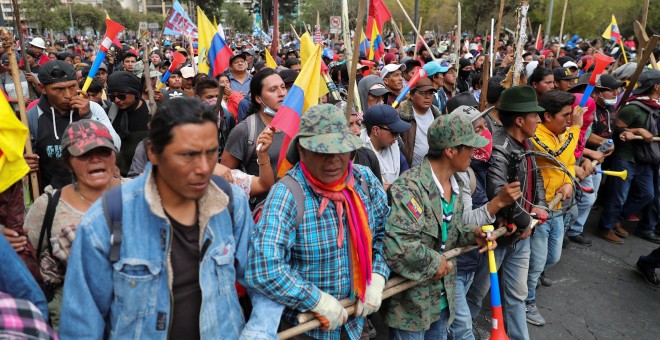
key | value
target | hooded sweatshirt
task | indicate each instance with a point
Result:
(363, 88)
(47, 126)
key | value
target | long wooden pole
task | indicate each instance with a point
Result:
(561, 28)
(484, 83)
(394, 286)
(21, 39)
(359, 26)
(8, 43)
(645, 13)
(147, 76)
(648, 51)
(458, 40)
(499, 21)
(419, 27)
(276, 29)
(415, 29)
(346, 32)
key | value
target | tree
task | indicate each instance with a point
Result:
(212, 8)
(40, 12)
(236, 17)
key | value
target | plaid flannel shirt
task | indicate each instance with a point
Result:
(20, 319)
(292, 264)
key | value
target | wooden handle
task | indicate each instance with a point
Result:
(8, 43)
(594, 162)
(558, 197)
(396, 285)
(415, 29)
(655, 138)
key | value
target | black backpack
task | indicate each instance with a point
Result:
(112, 208)
(648, 153)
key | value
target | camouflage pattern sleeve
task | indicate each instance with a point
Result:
(404, 251)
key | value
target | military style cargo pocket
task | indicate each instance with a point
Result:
(136, 287)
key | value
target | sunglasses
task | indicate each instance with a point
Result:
(100, 152)
(118, 95)
(394, 133)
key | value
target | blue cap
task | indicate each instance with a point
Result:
(433, 67)
(383, 114)
(327, 53)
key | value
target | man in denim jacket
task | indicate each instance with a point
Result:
(181, 251)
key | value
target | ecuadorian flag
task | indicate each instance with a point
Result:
(612, 31)
(303, 94)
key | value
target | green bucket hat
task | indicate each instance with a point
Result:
(519, 99)
(455, 129)
(323, 129)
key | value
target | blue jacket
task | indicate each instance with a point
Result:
(17, 281)
(131, 298)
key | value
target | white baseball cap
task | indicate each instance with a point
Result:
(389, 68)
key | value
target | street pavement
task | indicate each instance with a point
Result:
(596, 294)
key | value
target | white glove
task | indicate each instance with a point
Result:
(373, 297)
(330, 312)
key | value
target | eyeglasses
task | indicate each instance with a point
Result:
(394, 133)
(100, 152)
(118, 95)
(425, 93)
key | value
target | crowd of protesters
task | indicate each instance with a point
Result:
(173, 223)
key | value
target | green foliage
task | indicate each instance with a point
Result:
(236, 17)
(212, 8)
(39, 12)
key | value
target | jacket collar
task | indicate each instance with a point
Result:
(213, 202)
(407, 112)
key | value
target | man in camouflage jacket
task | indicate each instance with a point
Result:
(420, 228)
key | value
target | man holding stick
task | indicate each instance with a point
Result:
(421, 228)
(320, 235)
(519, 113)
(629, 155)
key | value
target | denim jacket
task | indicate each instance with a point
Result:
(132, 298)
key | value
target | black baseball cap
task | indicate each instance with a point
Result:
(646, 80)
(563, 73)
(56, 71)
(383, 114)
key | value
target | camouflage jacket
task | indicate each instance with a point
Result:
(412, 248)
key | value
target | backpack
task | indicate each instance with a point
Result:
(251, 121)
(648, 153)
(298, 196)
(45, 233)
(112, 209)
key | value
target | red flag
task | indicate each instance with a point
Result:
(539, 40)
(380, 13)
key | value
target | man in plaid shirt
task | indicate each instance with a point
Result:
(336, 250)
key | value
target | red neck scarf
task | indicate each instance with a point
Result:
(342, 193)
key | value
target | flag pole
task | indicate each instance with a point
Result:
(458, 40)
(276, 29)
(561, 28)
(415, 29)
(359, 26)
(499, 21)
(8, 44)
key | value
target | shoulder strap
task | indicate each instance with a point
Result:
(47, 224)
(642, 106)
(252, 137)
(298, 196)
(112, 208)
(363, 183)
(112, 112)
(226, 187)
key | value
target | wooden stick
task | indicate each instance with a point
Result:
(499, 22)
(484, 83)
(24, 46)
(394, 286)
(415, 29)
(147, 76)
(655, 138)
(643, 39)
(8, 43)
(419, 27)
(555, 200)
(359, 26)
(458, 43)
(640, 67)
(645, 13)
(561, 28)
